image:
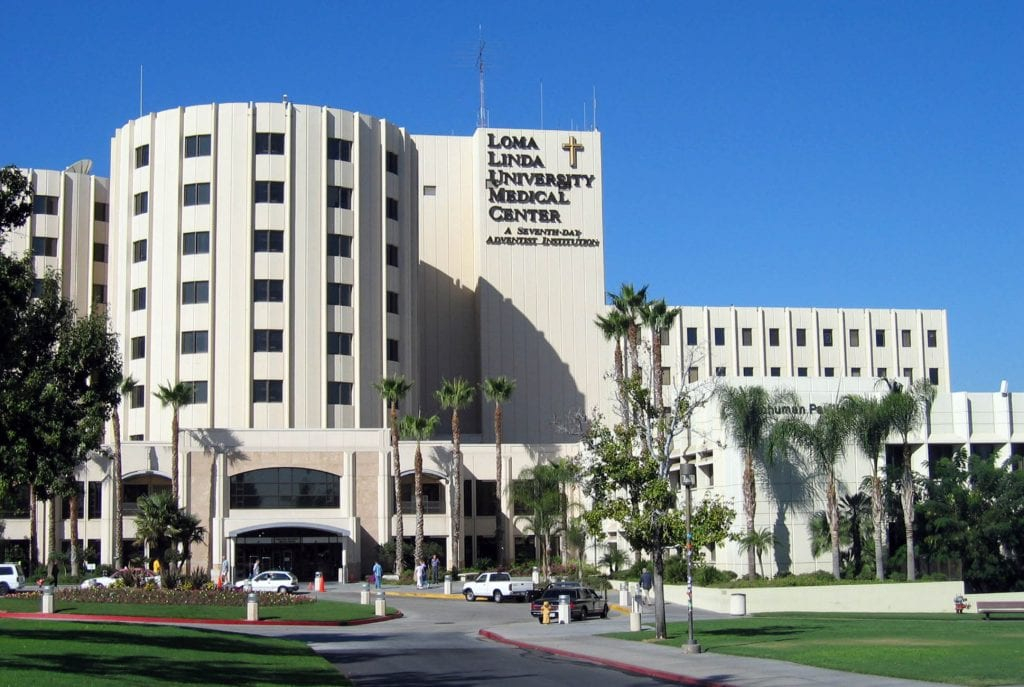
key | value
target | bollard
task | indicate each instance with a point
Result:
(252, 606)
(536, 575)
(447, 584)
(364, 595)
(379, 606)
(564, 610)
(47, 599)
(624, 594)
(634, 612)
(318, 582)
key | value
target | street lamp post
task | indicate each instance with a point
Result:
(688, 477)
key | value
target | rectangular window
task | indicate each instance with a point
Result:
(142, 156)
(142, 203)
(197, 146)
(880, 338)
(268, 340)
(139, 299)
(693, 374)
(44, 205)
(826, 337)
(195, 292)
(196, 194)
(99, 293)
(339, 246)
(908, 372)
(392, 302)
(100, 211)
(430, 190)
(339, 343)
(140, 250)
(855, 372)
(854, 338)
(268, 290)
(801, 337)
(691, 336)
(197, 341)
(775, 372)
(830, 372)
(267, 391)
(138, 347)
(392, 351)
(95, 499)
(719, 371)
(269, 144)
(339, 393)
(664, 336)
(933, 375)
(339, 197)
(666, 376)
(339, 294)
(268, 192)
(392, 257)
(801, 372)
(268, 241)
(44, 247)
(748, 372)
(719, 336)
(99, 252)
(391, 163)
(198, 390)
(932, 338)
(905, 338)
(881, 372)
(138, 396)
(773, 336)
(746, 336)
(195, 242)
(339, 149)
(392, 208)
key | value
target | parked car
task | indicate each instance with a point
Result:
(132, 577)
(270, 581)
(583, 603)
(11, 577)
(497, 586)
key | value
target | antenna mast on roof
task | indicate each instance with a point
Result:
(140, 90)
(481, 119)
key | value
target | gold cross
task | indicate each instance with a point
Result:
(572, 146)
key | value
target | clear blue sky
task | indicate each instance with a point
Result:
(866, 154)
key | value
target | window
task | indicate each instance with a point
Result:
(719, 336)
(195, 242)
(905, 338)
(391, 163)
(199, 391)
(663, 337)
(339, 343)
(268, 192)
(197, 146)
(801, 372)
(855, 372)
(392, 255)
(195, 292)
(933, 375)
(881, 372)
(666, 376)
(141, 203)
(691, 336)
(269, 144)
(285, 488)
(268, 241)
(140, 250)
(99, 252)
(100, 211)
(99, 293)
(197, 341)
(854, 338)
(268, 290)
(339, 149)
(880, 338)
(268, 340)
(339, 294)
(392, 209)
(908, 372)
(719, 371)
(339, 197)
(139, 299)
(932, 338)
(95, 501)
(693, 374)
(773, 336)
(43, 246)
(339, 246)
(826, 337)
(830, 372)
(801, 337)
(392, 302)
(430, 190)
(138, 396)
(392, 352)
(267, 391)
(136, 437)
(142, 156)
(138, 347)
(748, 372)
(339, 393)
(775, 372)
(746, 336)
(66, 502)
(44, 205)
(37, 288)
(197, 194)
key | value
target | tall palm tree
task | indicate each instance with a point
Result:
(823, 443)
(393, 390)
(748, 413)
(117, 469)
(420, 429)
(538, 492)
(659, 318)
(854, 507)
(456, 394)
(615, 327)
(498, 390)
(871, 425)
(631, 301)
(158, 512)
(174, 396)
(759, 541)
(186, 530)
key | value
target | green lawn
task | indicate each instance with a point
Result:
(40, 652)
(962, 650)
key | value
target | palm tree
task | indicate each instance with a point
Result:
(854, 507)
(186, 531)
(576, 543)
(823, 443)
(615, 327)
(759, 541)
(660, 318)
(175, 396)
(456, 394)
(498, 390)
(420, 429)
(538, 491)
(158, 513)
(117, 469)
(613, 559)
(871, 425)
(393, 391)
(748, 413)
(630, 302)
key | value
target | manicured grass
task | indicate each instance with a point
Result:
(958, 649)
(39, 652)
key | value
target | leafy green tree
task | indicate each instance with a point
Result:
(117, 471)
(498, 390)
(456, 394)
(15, 199)
(393, 391)
(174, 396)
(870, 425)
(154, 523)
(419, 429)
(759, 541)
(710, 524)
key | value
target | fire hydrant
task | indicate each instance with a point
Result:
(545, 613)
(960, 603)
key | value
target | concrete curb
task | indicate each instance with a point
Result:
(79, 617)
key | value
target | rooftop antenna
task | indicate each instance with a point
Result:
(140, 90)
(593, 111)
(481, 119)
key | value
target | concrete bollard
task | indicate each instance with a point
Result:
(380, 607)
(564, 610)
(252, 607)
(624, 594)
(364, 595)
(47, 599)
(447, 584)
(634, 621)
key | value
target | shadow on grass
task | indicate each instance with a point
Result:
(768, 631)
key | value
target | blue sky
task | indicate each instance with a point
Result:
(826, 154)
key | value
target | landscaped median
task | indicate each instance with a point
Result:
(957, 649)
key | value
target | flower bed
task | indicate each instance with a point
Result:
(175, 597)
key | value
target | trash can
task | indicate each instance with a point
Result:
(624, 594)
(364, 595)
(252, 607)
(564, 610)
(380, 607)
(47, 599)
(738, 604)
(447, 584)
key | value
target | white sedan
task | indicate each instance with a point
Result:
(270, 581)
(135, 575)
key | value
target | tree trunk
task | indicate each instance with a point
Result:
(658, 559)
(499, 519)
(174, 458)
(73, 534)
(418, 491)
(659, 379)
(397, 469)
(907, 497)
(117, 531)
(51, 535)
(833, 525)
(456, 561)
(33, 529)
(877, 515)
(749, 506)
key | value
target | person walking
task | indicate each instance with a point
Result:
(435, 569)
(646, 583)
(256, 568)
(421, 574)
(378, 573)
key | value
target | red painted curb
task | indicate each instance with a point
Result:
(618, 665)
(194, 621)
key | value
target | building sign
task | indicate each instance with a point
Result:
(521, 192)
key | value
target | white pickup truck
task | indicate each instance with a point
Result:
(497, 586)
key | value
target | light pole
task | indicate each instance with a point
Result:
(688, 476)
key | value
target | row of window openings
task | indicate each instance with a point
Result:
(263, 391)
(266, 143)
(263, 291)
(693, 373)
(48, 205)
(747, 337)
(338, 197)
(263, 341)
(263, 241)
